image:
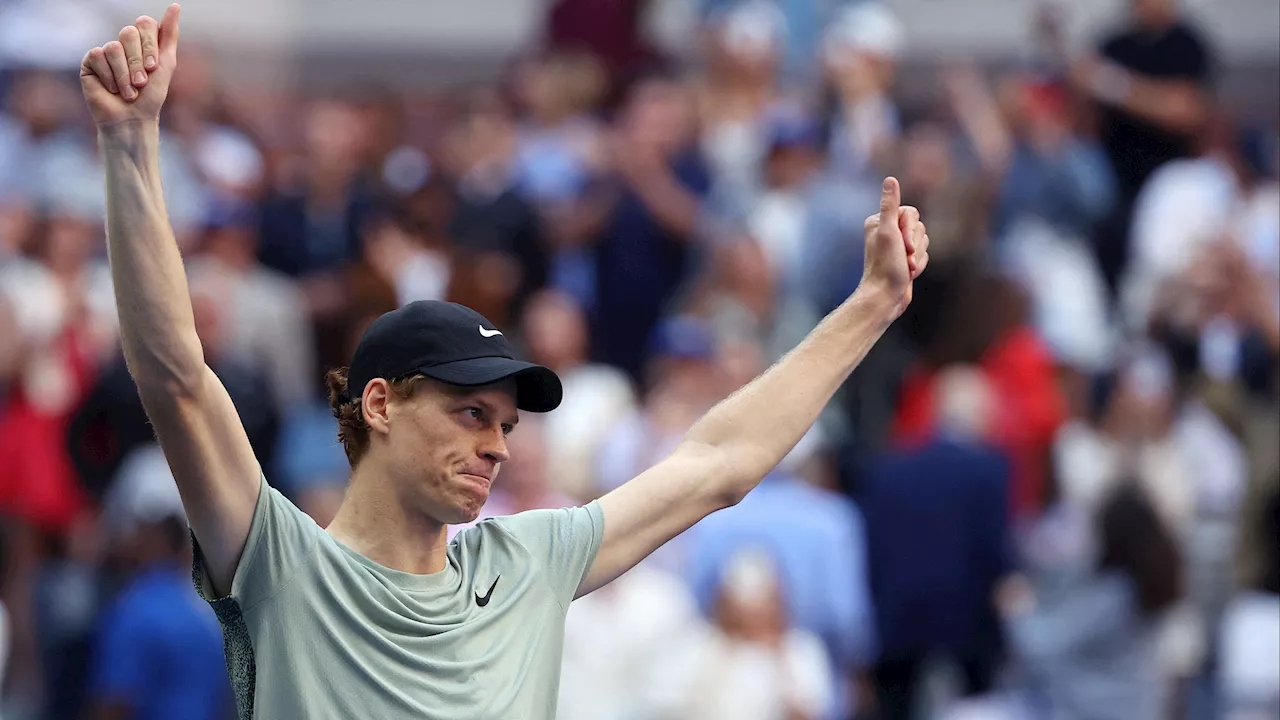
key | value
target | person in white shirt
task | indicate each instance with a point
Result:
(754, 664)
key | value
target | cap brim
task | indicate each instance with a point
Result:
(538, 389)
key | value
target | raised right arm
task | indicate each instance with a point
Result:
(194, 418)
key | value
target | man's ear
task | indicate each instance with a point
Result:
(374, 405)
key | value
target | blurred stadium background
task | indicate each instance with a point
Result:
(1051, 491)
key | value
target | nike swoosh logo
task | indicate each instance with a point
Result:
(489, 333)
(482, 601)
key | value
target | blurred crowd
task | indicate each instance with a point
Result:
(1051, 491)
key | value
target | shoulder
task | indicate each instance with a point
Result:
(536, 527)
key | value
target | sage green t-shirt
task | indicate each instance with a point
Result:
(315, 631)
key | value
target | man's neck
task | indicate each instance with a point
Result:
(374, 522)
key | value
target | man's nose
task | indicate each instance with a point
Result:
(494, 447)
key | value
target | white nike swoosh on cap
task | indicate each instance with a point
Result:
(489, 333)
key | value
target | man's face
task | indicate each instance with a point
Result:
(446, 444)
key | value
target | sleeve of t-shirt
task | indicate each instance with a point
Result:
(563, 541)
(280, 543)
(119, 669)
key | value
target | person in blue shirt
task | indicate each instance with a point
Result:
(939, 540)
(158, 651)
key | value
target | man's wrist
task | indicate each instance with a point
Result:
(129, 130)
(875, 302)
(135, 139)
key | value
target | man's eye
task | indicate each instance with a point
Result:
(507, 428)
(475, 412)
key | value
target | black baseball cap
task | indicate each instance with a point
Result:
(453, 344)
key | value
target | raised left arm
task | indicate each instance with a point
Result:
(741, 439)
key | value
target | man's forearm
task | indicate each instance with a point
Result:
(753, 429)
(157, 326)
(1177, 105)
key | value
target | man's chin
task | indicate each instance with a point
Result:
(467, 513)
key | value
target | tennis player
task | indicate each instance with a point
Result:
(377, 617)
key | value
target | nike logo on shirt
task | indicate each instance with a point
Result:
(482, 601)
(489, 333)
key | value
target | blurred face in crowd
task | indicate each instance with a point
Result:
(1154, 13)
(561, 86)
(738, 363)
(750, 606)
(1037, 112)
(748, 277)
(858, 74)
(65, 244)
(334, 136)
(745, 46)
(659, 115)
(927, 157)
(791, 166)
(160, 541)
(484, 134)
(525, 474)
(1142, 404)
(235, 244)
(42, 101)
(442, 446)
(555, 331)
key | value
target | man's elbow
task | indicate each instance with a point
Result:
(726, 480)
(170, 385)
(175, 373)
(739, 477)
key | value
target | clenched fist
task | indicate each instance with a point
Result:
(897, 248)
(128, 79)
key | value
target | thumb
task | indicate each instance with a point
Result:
(890, 200)
(169, 30)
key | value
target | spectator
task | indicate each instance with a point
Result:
(648, 246)
(860, 50)
(1249, 670)
(756, 665)
(1191, 206)
(769, 282)
(111, 422)
(596, 396)
(612, 30)
(1029, 405)
(158, 650)
(1150, 81)
(1092, 652)
(266, 328)
(938, 540)
(738, 92)
(681, 387)
(310, 226)
(61, 299)
(630, 649)
(803, 22)
(817, 539)
(502, 252)
(1032, 153)
(559, 149)
(50, 162)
